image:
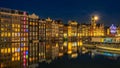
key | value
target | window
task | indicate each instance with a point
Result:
(9, 34)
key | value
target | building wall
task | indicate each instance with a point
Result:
(42, 39)
(60, 31)
(13, 37)
(33, 39)
(48, 29)
(72, 30)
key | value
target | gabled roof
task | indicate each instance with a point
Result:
(34, 16)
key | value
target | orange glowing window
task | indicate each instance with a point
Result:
(13, 59)
(18, 58)
(2, 50)
(13, 50)
(9, 50)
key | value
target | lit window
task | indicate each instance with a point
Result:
(9, 50)
(5, 34)
(12, 58)
(18, 58)
(15, 54)
(6, 50)
(2, 29)
(30, 23)
(13, 25)
(12, 34)
(13, 50)
(2, 50)
(18, 26)
(21, 49)
(2, 34)
(9, 34)
(18, 30)
(15, 29)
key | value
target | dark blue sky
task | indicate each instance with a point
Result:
(79, 10)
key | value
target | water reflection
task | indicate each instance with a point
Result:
(49, 51)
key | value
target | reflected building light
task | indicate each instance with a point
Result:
(92, 55)
(75, 55)
(69, 52)
(110, 54)
(65, 44)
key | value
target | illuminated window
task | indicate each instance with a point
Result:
(13, 59)
(2, 34)
(6, 50)
(5, 34)
(12, 34)
(18, 30)
(9, 34)
(2, 29)
(15, 54)
(18, 26)
(15, 34)
(18, 58)
(15, 29)
(13, 50)
(13, 25)
(2, 50)
(30, 23)
(9, 50)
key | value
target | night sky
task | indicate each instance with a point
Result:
(79, 10)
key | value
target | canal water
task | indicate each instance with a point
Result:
(85, 58)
